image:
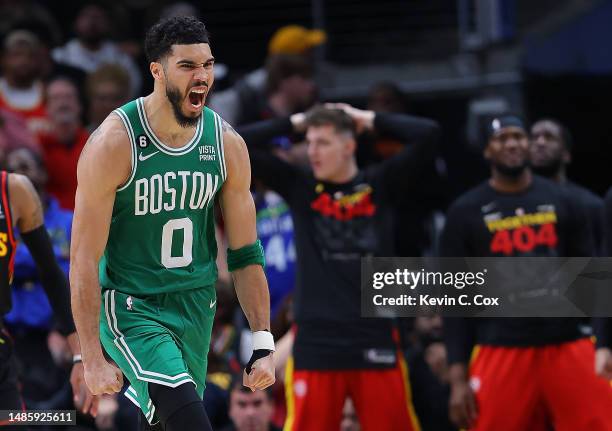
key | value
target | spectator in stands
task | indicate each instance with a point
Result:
(290, 86)
(49, 68)
(30, 15)
(63, 145)
(250, 411)
(385, 96)
(234, 104)
(416, 234)
(107, 88)
(21, 87)
(91, 48)
(14, 134)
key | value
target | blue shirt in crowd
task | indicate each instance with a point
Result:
(275, 230)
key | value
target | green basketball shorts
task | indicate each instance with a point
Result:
(161, 339)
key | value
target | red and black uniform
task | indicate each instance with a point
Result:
(54, 283)
(8, 373)
(527, 373)
(336, 352)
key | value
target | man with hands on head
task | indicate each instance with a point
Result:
(342, 213)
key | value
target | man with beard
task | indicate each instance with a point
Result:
(147, 183)
(549, 155)
(525, 373)
(21, 87)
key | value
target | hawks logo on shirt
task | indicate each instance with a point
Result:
(522, 232)
(345, 207)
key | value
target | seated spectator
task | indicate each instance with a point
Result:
(14, 134)
(240, 103)
(250, 411)
(21, 87)
(107, 88)
(275, 230)
(290, 87)
(91, 48)
(30, 15)
(50, 69)
(63, 144)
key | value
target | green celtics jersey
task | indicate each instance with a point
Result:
(162, 236)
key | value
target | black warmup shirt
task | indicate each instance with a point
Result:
(603, 326)
(550, 222)
(335, 226)
(594, 207)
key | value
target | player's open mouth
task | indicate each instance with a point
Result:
(196, 97)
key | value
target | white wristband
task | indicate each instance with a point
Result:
(263, 340)
(77, 358)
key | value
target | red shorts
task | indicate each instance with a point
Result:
(538, 388)
(382, 398)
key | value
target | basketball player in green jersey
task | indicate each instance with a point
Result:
(143, 246)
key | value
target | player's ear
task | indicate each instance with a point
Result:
(157, 70)
(486, 153)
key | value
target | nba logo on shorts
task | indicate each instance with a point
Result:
(128, 303)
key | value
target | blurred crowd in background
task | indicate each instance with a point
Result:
(64, 69)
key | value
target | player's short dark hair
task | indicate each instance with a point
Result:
(566, 136)
(283, 66)
(321, 116)
(180, 30)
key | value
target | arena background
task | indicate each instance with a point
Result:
(457, 62)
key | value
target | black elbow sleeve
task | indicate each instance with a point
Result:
(53, 279)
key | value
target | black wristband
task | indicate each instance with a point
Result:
(257, 354)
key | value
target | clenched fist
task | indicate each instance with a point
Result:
(261, 373)
(103, 378)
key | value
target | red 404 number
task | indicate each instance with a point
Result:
(524, 239)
